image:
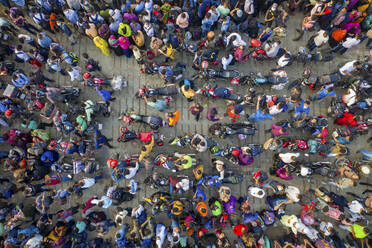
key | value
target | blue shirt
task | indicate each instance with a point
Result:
(105, 94)
(71, 15)
(21, 81)
(160, 105)
(323, 93)
(140, 7)
(121, 241)
(45, 41)
(126, 6)
(99, 141)
(301, 109)
(259, 116)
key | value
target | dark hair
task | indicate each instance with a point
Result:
(19, 47)
(187, 87)
(85, 55)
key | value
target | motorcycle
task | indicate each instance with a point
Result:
(224, 130)
(275, 79)
(216, 92)
(127, 135)
(163, 91)
(211, 73)
(117, 82)
(155, 122)
(230, 178)
(305, 57)
(64, 94)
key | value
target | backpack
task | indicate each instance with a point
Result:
(74, 58)
(339, 34)
(196, 34)
(174, 41)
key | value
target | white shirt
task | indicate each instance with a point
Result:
(324, 225)
(356, 207)
(249, 7)
(293, 193)
(35, 242)
(117, 16)
(26, 37)
(350, 98)
(88, 182)
(320, 39)
(110, 191)
(132, 171)
(286, 157)
(310, 232)
(272, 51)
(22, 55)
(347, 68)
(106, 201)
(161, 233)
(75, 73)
(254, 191)
(350, 42)
(214, 15)
(273, 110)
(149, 29)
(238, 40)
(138, 211)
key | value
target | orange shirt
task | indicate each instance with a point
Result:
(173, 120)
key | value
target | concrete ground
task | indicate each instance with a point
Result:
(114, 65)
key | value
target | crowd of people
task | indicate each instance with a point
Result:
(51, 134)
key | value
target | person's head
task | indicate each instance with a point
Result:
(186, 87)
(100, 204)
(357, 64)
(293, 158)
(325, 34)
(280, 105)
(85, 56)
(19, 47)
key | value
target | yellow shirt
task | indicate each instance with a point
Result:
(148, 149)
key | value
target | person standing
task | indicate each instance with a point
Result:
(196, 110)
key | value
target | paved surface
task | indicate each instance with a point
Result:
(125, 100)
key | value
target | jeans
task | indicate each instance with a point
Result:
(65, 179)
(96, 178)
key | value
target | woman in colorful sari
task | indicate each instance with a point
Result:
(115, 44)
(124, 44)
(102, 44)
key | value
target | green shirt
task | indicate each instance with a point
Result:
(82, 123)
(189, 162)
(358, 231)
(31, 125)
(223, 11)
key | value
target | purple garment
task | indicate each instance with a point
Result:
(130, 17)
(230, 205)
(349, 26)
(352, 4)
(212, 116)
(275, 130)
(245, 159)
(135, 27)
(283, 175)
